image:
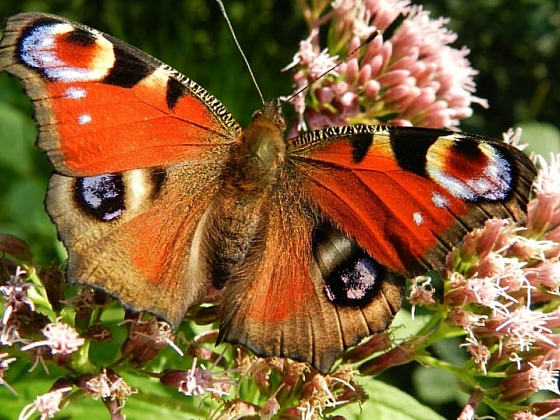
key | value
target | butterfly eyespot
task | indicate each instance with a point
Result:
(351, 277)
(469, 170)
(101, 197)
(354, 282)
(44, 48)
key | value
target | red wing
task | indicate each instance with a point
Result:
(103, 106)
(408, 195)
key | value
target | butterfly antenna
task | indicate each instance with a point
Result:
(224, 13)
(350, 54)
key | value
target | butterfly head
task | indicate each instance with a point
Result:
(271, 111)
(261, 150)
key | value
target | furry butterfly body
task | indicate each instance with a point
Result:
(158, 193)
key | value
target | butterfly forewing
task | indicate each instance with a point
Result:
(103, 106)
(408, 195)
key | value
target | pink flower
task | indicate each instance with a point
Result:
(47, 405)
(468, 412)
(238, 409)
(397, 356)
(17, 302)
(62, 340)
(546, 275)
(412, 78)
(146, 338)
(524, 327)
(421, 293)
(480, 353)
(543, 212)
(466, 319)
(527, 415)
(520, 385)
(378, 343)
(108, 386)
(270, 408)
(197, 381)
(84, 305)
(485, 291)
(544, 409)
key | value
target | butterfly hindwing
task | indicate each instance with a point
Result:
(278, 303)
(131, 234)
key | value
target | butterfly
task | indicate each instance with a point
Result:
(159, 194)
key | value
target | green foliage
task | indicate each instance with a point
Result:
(387, 402)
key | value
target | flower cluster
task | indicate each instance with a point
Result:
(409, 77)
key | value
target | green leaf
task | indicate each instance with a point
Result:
(404, 326)
(543, 138)
(436, 386)
(387, 403)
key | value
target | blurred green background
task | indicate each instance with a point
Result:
(515, 45)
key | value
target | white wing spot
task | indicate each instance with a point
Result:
(418, 219)
(75, 93)
(84, 119)
(439, 200)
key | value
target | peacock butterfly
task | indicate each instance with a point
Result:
(158, 193)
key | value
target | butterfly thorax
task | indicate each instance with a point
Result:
(238, 214)
(259, 153)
